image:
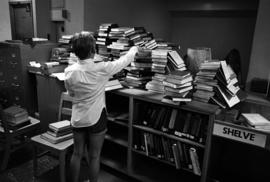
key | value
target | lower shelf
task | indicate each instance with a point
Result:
(114, 156)
(149, 170)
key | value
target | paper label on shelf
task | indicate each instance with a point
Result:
(240, 135)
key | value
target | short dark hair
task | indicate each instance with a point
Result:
(83, 44)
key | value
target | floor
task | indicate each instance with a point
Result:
(20, 170)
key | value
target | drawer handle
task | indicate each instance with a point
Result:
(13, 62)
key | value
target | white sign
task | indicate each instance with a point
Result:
(240, 135)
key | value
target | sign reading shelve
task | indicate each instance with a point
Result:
(240, 134)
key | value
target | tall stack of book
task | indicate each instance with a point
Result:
(15, 117)
(217, 83)
(103, 39)
(58, 132)
(159, 59)
(205, 81)
(139, 73)
(178, 86)
(120, 43)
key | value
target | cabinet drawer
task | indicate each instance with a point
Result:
(16, 94)
(15, 80)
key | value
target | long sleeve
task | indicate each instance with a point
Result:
(113, 67)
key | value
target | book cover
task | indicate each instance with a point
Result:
(255, 119)
(60, 125)
(55, 140)
(195, 161)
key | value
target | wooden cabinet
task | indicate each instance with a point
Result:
(129, 138)
(17, 87)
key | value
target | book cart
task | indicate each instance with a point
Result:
(148, 149)
(240, 153)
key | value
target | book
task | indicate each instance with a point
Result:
(256, 120)
(195, 161)
(60, 125)
(55, 140)
(176, 74)
(175, 58)
(176, 156)
(59, 133)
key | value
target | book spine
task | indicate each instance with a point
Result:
(195, 161)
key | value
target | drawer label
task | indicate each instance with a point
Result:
(240, 135)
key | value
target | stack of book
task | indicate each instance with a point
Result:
(217, 83)
(175, 61)
(178, 86)
(159, 59)
(138, 36)
(103, 39)
(15, 117)
(139, 73)
(120, 43)
(64, 41)
(256, 121)
(58, 132)
(205, 81)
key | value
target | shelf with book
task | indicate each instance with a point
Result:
(170, 136)
(143, 170)
(135, 103)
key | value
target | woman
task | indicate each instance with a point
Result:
(85, 81)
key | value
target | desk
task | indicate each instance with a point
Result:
(60, 149)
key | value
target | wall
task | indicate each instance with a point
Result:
(221, 34)
(221, 25)
(75, 22)
(5, 28)
(260, 55)
(152, 14)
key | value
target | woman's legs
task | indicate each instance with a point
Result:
(94, 149)
(78, 151)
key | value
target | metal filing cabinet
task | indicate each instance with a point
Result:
(17, 86)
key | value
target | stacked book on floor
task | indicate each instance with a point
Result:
(58, 132)
(15, 117)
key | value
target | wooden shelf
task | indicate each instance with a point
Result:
(116, 140)
(121, 123)
(153, 157)
(150, 130)
(148, 170)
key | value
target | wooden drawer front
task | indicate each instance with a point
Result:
(13, 58)
(4, 96)
(16, 94)
(15, 80)
(2, 79)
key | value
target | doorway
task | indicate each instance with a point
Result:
(21, 17)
